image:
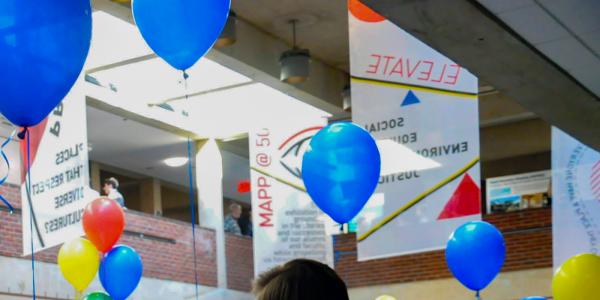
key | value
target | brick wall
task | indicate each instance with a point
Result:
(165, 245)
(165, 248)
(528, 236)
(240, 262)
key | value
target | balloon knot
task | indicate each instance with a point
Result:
(185, 75)
(21, 134)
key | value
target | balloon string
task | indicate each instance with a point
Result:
(27, 133)
(477, 296)
(3, 179)
(192, 195)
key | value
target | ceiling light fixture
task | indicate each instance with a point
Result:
(176, 162)
(295, 63)
(228, 36)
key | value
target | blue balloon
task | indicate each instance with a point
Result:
(43, 47)
(120, 272)
(535, 298)
(341, 169)
(475, 254)
(181, 31)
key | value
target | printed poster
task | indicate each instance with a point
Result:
(59, 175)
(518, 192)
(423, 110)
(287, 224)
(576, 198)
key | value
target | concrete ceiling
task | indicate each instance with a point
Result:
(520, 84)
(567, 32)
(323, 25)
(469, 34)
(525, 85)
(325, 33)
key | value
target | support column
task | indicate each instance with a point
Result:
(151, 197)
(209, 183)
(95, 176)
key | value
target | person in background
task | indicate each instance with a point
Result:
(111, 190)
(300, 279)
(246, 224)
(231, 220)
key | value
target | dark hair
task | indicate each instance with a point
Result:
(300, 279)
(112, 182)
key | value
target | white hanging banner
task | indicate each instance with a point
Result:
(287, 224)
(59, 175)
(423, 110)
(576, 198)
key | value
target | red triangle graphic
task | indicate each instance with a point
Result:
(465, 201)
(36, 133)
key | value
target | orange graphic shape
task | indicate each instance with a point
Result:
(36, 133)
(465, 201)
(363, 12)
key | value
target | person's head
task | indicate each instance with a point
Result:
(110, 184)
(235, 210)
(299, 280)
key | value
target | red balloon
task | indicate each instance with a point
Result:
(103, 223)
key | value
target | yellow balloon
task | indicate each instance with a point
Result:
(578, 278)
(79, 262)
(385, 297)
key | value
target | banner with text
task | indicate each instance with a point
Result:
(423, 110)
(287, 224)
(576, 198)
(59, 175)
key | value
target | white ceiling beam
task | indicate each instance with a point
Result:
(469, 35)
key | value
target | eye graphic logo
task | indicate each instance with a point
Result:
(293, 150)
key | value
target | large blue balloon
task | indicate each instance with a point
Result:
(181, 31)
(120, 272)
(43, 47)
(475, 254)
(341, 169)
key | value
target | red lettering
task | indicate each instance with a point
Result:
(266, 206)
(455, 76)
(408, 70)
(387, 62)
(263, 159)
(266, 220)
(441, 75)
(374, 68)
(398, 68)
(263, 194)
(266, 132)
(262, 182)
(428, 73)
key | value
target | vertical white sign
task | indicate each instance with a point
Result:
(423, 110)
(287, 224)
(576, 198)
(59, 175)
